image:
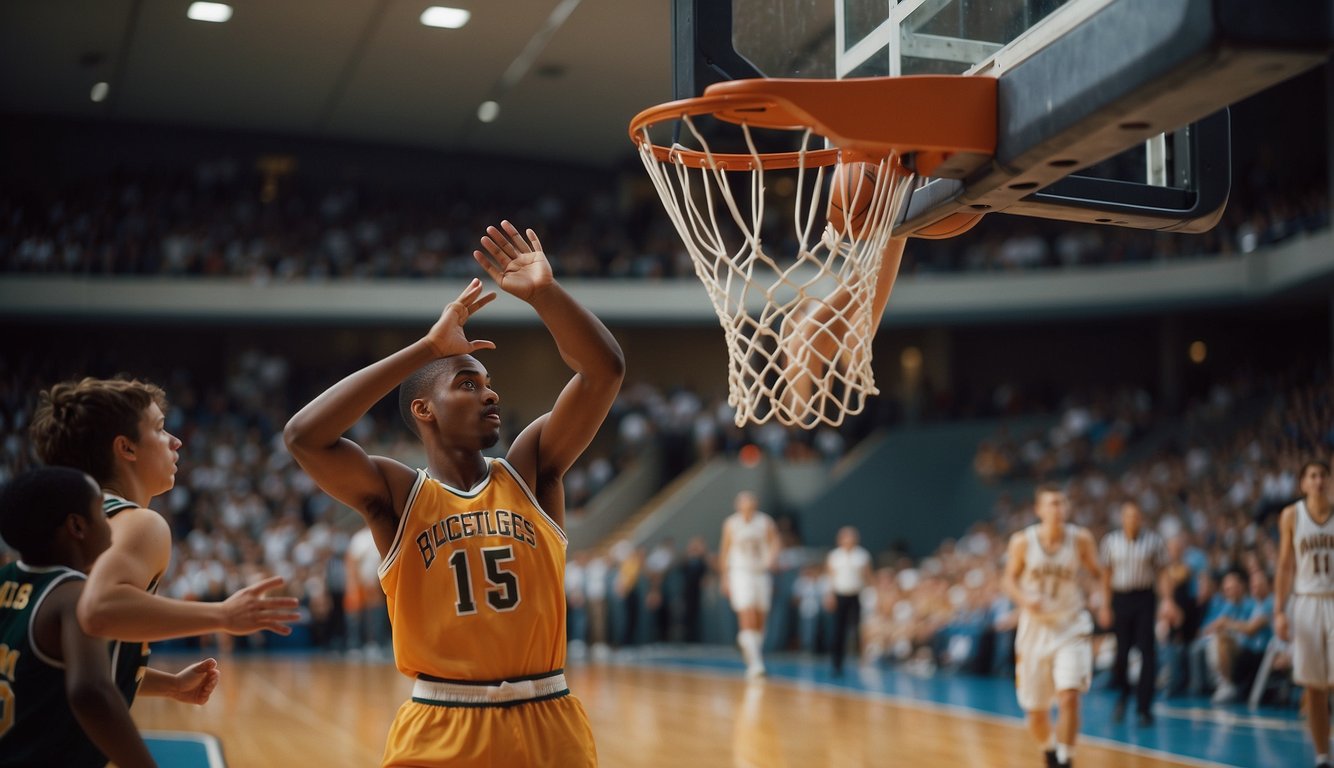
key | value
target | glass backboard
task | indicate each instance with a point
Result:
(1108, 112)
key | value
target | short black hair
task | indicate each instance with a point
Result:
(417, 385)
(35, 504)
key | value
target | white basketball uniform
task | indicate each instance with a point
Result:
(1052, 647)
(1311, 615)
(748, 581)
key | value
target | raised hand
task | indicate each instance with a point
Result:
(446, 337)
(248, 611)
(516, 262)
(195, 683)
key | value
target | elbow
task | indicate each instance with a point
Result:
(613, 360)
(295, 433)
(616, 363)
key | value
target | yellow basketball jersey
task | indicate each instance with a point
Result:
(475, 581)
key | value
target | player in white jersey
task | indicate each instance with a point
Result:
(1306, 545)
(1053, 651)
(748, 553)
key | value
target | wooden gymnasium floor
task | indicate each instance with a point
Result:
(295, 711)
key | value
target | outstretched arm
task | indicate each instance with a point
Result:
(551, 444)
(374, 486)
(116, 604)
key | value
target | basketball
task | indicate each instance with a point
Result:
(851, 192)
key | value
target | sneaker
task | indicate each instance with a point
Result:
(755, 671)
(1145, 719)
(1051, 759)
(1226, 693)
(1119, 711)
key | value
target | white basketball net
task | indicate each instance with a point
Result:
(798, 325)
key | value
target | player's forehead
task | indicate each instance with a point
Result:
(152, 413)
(462, 365)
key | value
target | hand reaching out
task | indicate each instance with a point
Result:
(516, 262)
(248, 611)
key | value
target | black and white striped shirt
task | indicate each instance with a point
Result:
(1134, 563)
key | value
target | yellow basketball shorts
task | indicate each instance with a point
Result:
(550, 733)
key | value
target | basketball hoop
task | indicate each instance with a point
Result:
(796, 310)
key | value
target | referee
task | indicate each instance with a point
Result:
(1134, 558)
(849, 570)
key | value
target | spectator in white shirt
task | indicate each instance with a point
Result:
(849, 567)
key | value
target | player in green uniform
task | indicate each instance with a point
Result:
(58, 703)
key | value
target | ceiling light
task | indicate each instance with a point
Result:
(445, 18)
(215, 12)
(99, 92)
(488, 111)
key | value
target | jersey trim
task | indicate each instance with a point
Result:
(520, 679)
(471, 492)
(43, 568)
(112, 504)
(69, 574)
(1306, 510)
(533, 499)
(488, 705)
(397, 544)
(506, 693)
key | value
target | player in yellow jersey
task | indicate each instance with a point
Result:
(474, 555)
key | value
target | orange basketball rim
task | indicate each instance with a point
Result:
(945, 123)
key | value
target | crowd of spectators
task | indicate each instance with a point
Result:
(1089, 430)
(222, 218)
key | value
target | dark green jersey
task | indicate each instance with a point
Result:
(128, 660)
(37, 727)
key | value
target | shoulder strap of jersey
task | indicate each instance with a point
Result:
(67, 574)
(112, 504)
(532, 499)
(392, 555)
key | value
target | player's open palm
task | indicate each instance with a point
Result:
(515, 261)
(250, 610)
(446, 337)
